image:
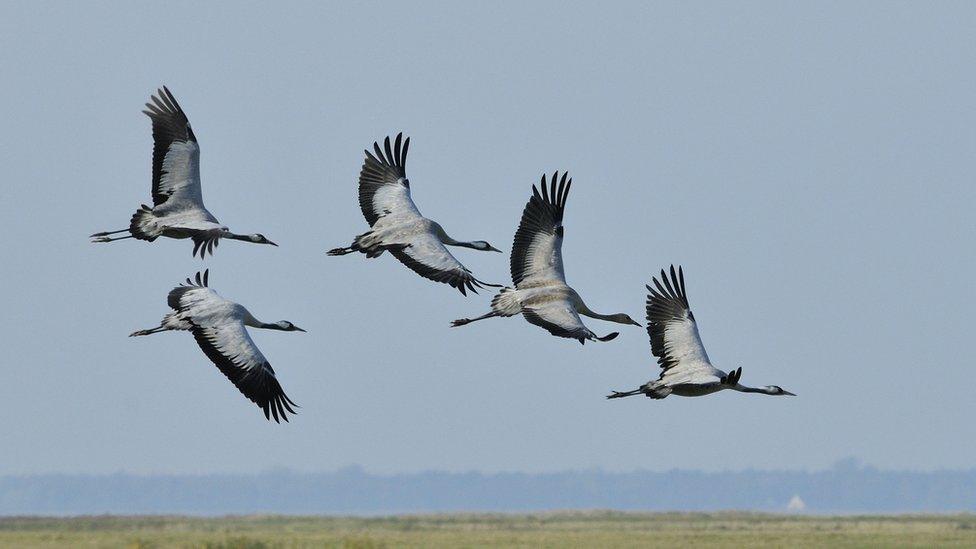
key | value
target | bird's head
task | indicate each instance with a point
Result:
(622, 318)
(776, 390)
(260, 239)
(286, 326)
(484, 246)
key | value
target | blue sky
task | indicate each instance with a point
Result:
(810, 166)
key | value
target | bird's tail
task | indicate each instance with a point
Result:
(506, 302)
(143, 225)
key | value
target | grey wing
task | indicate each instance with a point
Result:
(226, 342)
(427, 256)
(176, 154)
(672, 328)
(559, 318)
(383, 185)
(537, 249)
(231, 349)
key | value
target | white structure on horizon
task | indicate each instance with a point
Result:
(796, 505)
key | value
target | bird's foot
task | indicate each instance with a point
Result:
(460, 322)
(142, 332)
(621, 394)
(98, 238)
(339, 251)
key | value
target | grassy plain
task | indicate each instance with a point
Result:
(556, 529)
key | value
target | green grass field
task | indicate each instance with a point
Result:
(562, 529)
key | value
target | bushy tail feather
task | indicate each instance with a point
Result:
(143, 225)
(506, 302)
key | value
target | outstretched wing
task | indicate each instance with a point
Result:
(537, 250)
(671, 325)
(383, 185)
(230, 348)
(176, 154)
(559, 319)
(427, 256)
(185, 296)
(225, 341)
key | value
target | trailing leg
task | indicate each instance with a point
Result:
(107, 239)
(106, 233)
(463, 321)
(621, 394)
(150, 331)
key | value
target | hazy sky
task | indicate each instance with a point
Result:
(810, 166)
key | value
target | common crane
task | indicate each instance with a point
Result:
(679, 350)
(541, 293)
(178, 210)
(397, 226)
(220, 328)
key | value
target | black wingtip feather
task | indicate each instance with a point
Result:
(542, 214)
(381, 167)
(666, 302)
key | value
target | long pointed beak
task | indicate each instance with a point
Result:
(273, 244)
(493, 249)
(635, 323)
(788, 393)
(297, 329)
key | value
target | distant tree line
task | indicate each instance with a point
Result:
(845, 488)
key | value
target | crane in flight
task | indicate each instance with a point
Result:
(541, 293)
(177, 210)
(220, 328)
(397, 226)
(686, 369)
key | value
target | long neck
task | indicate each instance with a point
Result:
(462, 244)
(235, 236)
(447, 240)
(745, 389)
(249, 320)
(585, 311)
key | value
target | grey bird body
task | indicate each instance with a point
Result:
(541, 293)
(177, 211)
(397, 226)
(673, 331)
(220, 329)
